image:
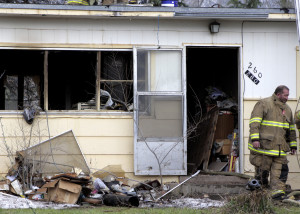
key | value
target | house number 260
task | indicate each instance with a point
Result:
(254, 70)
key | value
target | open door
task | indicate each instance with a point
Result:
(159, 116)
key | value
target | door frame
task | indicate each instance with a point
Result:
(241, 86)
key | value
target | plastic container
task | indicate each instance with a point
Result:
(165, 3)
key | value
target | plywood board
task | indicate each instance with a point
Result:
(200, 148)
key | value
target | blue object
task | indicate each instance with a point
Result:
(165, 3)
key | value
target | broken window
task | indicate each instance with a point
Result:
(70, 80)
(116, 78)
(21, 72)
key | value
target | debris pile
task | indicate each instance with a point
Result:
(71, 188)
(40, 174)
(41, 178)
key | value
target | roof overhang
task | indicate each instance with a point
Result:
(145, 12)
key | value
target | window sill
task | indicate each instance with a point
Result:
(72, 112)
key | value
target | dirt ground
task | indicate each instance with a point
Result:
(194, 203)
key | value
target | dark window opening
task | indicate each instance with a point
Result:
(21, 79)
(71, 79)
(117, 77)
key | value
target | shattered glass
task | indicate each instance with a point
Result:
(31, 92)
(11, 92)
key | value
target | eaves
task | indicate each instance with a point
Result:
(139, 12)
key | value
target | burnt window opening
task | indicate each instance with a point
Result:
(70, 80)
(21, 79)
(117, 78)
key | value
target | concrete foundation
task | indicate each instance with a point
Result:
(209, 184)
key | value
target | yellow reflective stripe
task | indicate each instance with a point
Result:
(78, 2)
(298, 114)
(266, 152)
(293, 143)
(292, 127)
(254, 136)
(255, 119)
(274, 123)
(277, 191)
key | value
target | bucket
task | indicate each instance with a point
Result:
(169, 3)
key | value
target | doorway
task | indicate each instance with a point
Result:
(212, 108)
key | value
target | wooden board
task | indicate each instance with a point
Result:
(200, 146)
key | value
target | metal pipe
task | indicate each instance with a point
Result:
(178, 185)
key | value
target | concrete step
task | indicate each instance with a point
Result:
(210, 184)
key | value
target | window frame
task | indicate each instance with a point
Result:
(139, 170)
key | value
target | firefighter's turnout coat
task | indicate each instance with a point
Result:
(272, 125)
(297, 120)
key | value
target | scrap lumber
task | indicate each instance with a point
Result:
(292, 202)
(201, 147)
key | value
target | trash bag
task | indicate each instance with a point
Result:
(29, 114)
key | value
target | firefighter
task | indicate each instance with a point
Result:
(272, 136)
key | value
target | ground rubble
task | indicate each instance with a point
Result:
(8, 201)
(20, 190)
(186, 202)
(39, 178)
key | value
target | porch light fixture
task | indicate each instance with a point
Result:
(214, 27)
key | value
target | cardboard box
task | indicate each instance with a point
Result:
(226, 148)
(4, 185)
(62, 191)
(225, 126)
(16, 187)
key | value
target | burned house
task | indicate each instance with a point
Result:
(154, 90)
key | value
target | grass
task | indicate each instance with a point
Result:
(282, 209)
(259, 201)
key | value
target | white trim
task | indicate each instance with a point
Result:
(241, 110)
(65, 113)
(64, 49)
(212, 45)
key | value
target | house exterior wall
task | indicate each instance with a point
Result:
(272, 49)
(294, 168)
(104, 33)
(107, 139)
